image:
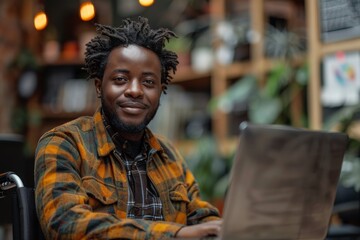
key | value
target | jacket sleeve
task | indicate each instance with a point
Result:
(198, 210)
(63, 206)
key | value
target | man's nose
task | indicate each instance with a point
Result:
(134, 89)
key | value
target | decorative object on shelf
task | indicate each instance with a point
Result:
(27, 84)
(75, 95)
(234, 35)
(51, 51)
(341, 77)
(280, 43)
(202, 59)
(70, 50)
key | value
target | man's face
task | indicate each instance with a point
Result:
(131, 88)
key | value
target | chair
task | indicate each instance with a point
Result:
(13, 158)
(347, 210)
(24, 220)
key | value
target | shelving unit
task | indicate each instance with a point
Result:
(316, 51)
(258, 65)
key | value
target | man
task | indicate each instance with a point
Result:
(108, 176)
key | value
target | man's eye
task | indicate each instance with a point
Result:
(120, 79)
(149, 81)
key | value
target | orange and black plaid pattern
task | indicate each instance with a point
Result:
(82, 192)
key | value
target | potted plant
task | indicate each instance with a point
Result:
(211, 170)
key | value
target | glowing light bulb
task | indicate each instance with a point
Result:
(40, 20)
(146, 3)
(87, 11)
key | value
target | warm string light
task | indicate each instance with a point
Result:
(87, 11)
(40, 21)
(146, 3)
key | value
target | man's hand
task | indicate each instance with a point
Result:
(211, 228)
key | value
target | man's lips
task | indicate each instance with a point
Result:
(133, 107)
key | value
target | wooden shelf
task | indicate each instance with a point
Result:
(348, 45)
(237, 69)
(188, 74)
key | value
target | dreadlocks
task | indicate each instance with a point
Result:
(131, 32)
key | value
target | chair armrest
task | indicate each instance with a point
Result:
(9, 180)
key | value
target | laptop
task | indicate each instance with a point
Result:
(283, 183)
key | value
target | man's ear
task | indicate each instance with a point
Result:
(98, 87)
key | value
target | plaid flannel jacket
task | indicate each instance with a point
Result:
(81, 187)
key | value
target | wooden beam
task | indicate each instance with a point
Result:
(348, 45)
(314, 58)
(257, 46)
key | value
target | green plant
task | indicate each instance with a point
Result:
(270, 103)
(343, 120)
(210, 168)
(280, 43)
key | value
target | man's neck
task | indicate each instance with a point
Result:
(133, 137)
(131, 146)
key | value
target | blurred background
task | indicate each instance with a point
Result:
(292, 62)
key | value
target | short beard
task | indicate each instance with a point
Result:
(119, 125)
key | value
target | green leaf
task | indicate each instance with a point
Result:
(350, 172)
(302, 75)
(238, 92)
(278, 77)
(221, 186)
(265, 110)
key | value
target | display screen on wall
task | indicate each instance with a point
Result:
(341, 79)
(339, 19)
